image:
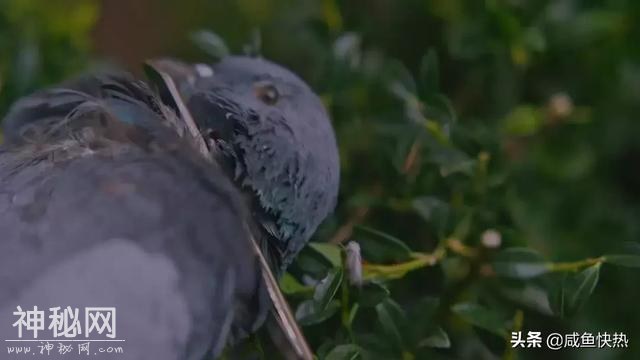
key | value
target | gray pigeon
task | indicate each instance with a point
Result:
(112, 197)
(289, 162)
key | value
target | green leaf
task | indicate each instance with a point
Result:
(482, 317)
(434, 211)
(523, 121)
(527, 294)
(579, 288)
(451, 161)
(290, 286)
(429, 74)
(422, 315)
(437, 339)
(400, 80)
(325, 348)
(568, 292)
(555, 293)
(381, 247)
(327, 288)
(331, 252)
(352, 314)
(441, 108)
(371, 294)
(623, 260)
(392, 318)
(462, 229)
(308, 313)
(430, 208)
(312, 262)
(344, 352)
(519, 263)
(628, 256)
(211, 43)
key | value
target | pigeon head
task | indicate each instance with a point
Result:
(273, 136)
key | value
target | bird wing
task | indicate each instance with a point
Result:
(117, 92)
(102, 212)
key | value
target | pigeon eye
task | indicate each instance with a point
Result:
(267, 93)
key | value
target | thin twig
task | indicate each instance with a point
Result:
(410, 162)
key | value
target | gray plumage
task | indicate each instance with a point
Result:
(282, 149)
(101, 188)
(94, 191)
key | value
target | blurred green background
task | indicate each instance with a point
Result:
(489, 149)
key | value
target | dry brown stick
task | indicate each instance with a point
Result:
(411, 160)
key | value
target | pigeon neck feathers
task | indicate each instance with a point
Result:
(276, 141)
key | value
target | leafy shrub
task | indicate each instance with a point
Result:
(489, 162)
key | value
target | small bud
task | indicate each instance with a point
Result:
(354, 263)
(491, 239)
(560, 106)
